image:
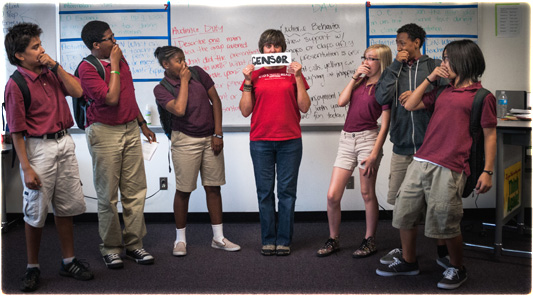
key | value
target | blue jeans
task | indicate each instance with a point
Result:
(285, 158)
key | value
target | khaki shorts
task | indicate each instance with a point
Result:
(355, 147)
(54, 161)
(398, 167)
(435, 191)
(191, 155)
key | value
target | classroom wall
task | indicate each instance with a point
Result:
(508, 67)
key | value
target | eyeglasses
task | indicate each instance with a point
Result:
(369, 59)
(112, 37)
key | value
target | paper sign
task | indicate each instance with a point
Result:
(271, 59)
(149, 149)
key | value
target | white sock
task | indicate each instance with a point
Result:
(218, 233)
(33, 265)
(180, 235)
(68, 260)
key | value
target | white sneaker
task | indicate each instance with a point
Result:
(225, 245)
(180, 249)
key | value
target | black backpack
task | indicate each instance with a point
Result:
(476, 161)
(79, 105)
(477, 151)
(165, 117)
(23, 86)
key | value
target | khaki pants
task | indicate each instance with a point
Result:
(398, 167)
(118, 164)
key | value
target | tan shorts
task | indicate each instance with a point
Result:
(355, 147)
(191, 155)
(398, 167)
(435, 191)
(54, 161)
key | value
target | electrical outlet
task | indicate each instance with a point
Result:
(350, 184)
(163, 183)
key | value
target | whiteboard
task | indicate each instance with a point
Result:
(326, 39)
(442, 23)
(15, 13)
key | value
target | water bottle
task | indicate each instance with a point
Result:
(502, 105)
(148, 115)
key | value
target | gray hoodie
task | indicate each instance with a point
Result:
(407, 128)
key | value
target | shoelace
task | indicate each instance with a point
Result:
(395, 251)
(330, 243)
(113, 257)
(140, 252)
(396, 262)
(78, 265)
(450, 273)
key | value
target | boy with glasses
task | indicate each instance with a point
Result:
(113, 119)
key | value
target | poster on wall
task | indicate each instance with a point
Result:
(511, 188)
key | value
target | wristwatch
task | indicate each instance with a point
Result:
(141, 123)
(218, 136)
(489, 172)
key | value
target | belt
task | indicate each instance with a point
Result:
(56, 136)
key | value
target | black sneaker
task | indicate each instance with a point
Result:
(331, 246)
(399, 267)
(113, 261)
(453, 278)
(140, 256)
(76, 269)
(30, 280)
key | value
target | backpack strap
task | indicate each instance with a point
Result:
(477, 105)
(95, 62)
(23, 86)
(168, 86)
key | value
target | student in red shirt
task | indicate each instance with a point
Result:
(45, 149)
(113, 138)
(435, 179)
(275, 99)
(360, 145)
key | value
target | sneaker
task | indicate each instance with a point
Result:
(225, 245)
(268, 250)
(367, 248)
(30, 280)
(76, 269)
(399, 267)
(140, 256)
(453, 278)
(113, 261)
(444, 262)
(283, 250)
(180, 249)
(331, 246)
(389, 258)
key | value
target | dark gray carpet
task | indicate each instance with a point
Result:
(206, 270)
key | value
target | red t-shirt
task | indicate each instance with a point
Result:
(448, 141)
(48, 112)
(276, 116)
(364, 110)
(96, 89)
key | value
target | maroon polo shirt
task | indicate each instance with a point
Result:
(448, 141)
(48, 112)
(95, 89)
(198, 120)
